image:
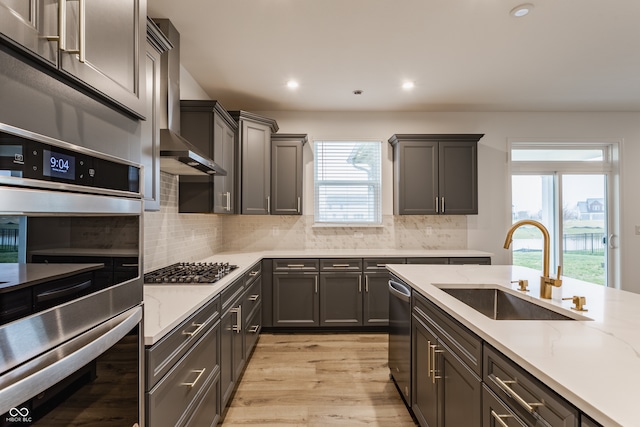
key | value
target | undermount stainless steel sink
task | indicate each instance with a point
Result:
(500, 305)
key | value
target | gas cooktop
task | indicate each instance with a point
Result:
(189, 272)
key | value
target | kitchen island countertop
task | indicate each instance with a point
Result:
(594, 364)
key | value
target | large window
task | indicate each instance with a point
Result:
(347, 182)
(568, 188)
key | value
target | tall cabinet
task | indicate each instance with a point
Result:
(435, 174)
(286, 173)
(208, 126)
(254, 176)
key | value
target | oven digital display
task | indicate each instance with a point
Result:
(58, 165)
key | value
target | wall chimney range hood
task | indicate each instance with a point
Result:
(177, 155)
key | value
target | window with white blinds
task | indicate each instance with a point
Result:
(347, 182)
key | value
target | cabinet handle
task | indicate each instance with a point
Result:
(429, 370)
(341, 265)
(130, 265)
(200, 372)
(295, 265)
(198, 326)
(360, 284)
(298, 204)
(238, 326)
(81, 31)
(499, 418)
(366, 284)
(434, 369)
(254, 297)
(504, 386)
(442, 204)
(254, 329)
(268, 204)
(254, 273)
(316, 280)
(437, 205)
(62, 23)
(228, 201)
(430, 362)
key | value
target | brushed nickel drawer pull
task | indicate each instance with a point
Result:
(238, 326)
(200, 372)
(254, 297)
(254, 273)
(504, 386)
(341, 265)
(295, 265)
(499, 418)
(198, 326)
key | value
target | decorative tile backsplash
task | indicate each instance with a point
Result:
(172, 237)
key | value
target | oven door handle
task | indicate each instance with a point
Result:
(62, 291)
(46, 370)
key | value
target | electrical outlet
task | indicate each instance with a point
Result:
(275, 231)
(429, 231)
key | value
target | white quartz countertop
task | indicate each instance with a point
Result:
(594, 364)
(166, 306)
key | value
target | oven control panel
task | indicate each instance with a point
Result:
(34, 161)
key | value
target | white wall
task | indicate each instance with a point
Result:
(486, 231)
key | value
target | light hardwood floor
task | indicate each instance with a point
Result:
(318, 380)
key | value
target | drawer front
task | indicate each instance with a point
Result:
(303, 264)
(252, 298)
(495, 412)
(378, 264)
(168, 403)
(164, 354)
(253, 273)
(232, 294)
(464, 343)
(525, 395)
(341, 264)
(206, 411)
(252, 331)
(470, 260)
(428, 260)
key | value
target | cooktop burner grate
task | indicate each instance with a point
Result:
(190, 272)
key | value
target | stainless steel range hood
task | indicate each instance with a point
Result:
(177, 155)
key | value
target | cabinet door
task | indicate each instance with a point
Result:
(31, 25)
(150, 140)
(256, 168)
(341, 299)
(376, 299)
(295, 299)
(458, 177)
(424, 395)
(286, 178)
(416, 177)
(231, 351)
(224, 154)
(109, 37)
(496, 414)
(460, 391)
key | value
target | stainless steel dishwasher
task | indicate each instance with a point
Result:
(400, 336)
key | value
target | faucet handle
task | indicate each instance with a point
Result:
(523, 284)
(579, 302)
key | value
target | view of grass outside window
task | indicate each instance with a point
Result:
(572, 205)
(347, 182)
(9, 239)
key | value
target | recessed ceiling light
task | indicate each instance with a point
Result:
(408, 85)
(292, 84)
(522, 10)
(357, 92)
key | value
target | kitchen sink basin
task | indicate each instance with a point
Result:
(499, 305)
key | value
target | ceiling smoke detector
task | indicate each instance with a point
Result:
(357, 92)
(521, 10)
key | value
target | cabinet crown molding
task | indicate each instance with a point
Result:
(435, 137)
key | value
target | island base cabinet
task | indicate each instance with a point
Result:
(496, 414)
(424, 394)
(459, 388)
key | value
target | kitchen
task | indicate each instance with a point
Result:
(171, 237)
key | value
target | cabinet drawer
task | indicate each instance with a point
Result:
(464, 343)
(252, 298)
(253, 273)
(494, 409)
(232, 294)
(163, 355)
(169, 401)
(206, 411)
(428, 260)
(516, 387)
(341, 264)
(252, 331)
(378, 264)
(304, 264)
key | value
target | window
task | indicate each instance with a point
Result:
(568, 188)
(347, 182)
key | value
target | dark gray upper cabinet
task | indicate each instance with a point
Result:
(435, 174)
(254, 176)
(157, 43)
(209, 127)
(100, 47)
(287, 173)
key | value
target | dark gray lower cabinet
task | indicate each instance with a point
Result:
(424, 396)
(232, 355)
(376, 299)
(341, 299)
(295, 299)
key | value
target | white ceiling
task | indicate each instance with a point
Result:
(463, 55)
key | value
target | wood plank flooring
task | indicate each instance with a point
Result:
(317, 380)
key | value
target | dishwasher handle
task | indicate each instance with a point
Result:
(399, 290)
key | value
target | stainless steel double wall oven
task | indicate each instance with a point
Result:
(71, 338)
